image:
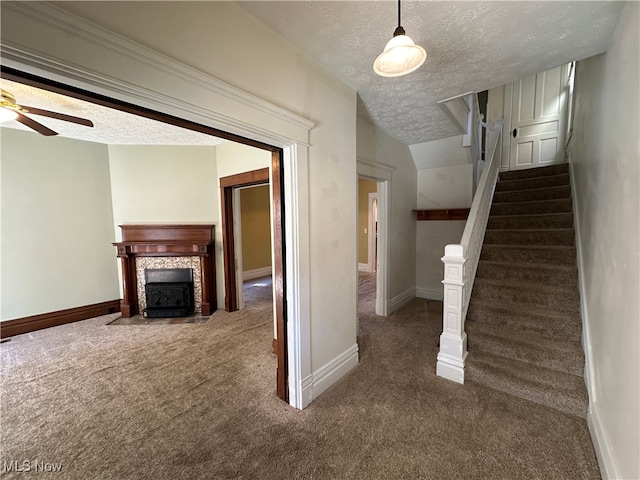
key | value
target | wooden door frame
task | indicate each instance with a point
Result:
(277, 169)
(227, 186)
(273, 176)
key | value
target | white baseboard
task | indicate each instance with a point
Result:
(584, 312)
(429, 294)
(363, 267)
(602, 446)
(256, 273)
(401, 300)
(333, 371)
(604, 452)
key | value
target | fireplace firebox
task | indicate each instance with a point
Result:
(168, 292)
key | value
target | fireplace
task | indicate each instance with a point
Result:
(168, 292)
(167, 246)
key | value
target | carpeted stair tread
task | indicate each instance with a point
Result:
(536, 236)
(535, 172)
(532, 207)
(562, 391)
(549, 193)
(523, 321)
(560, 355)
(527, 320)
(534, 273)
(563, 300)
(535, 182)
(536, 220)
(557, 254)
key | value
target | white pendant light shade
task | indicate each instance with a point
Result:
(400, 56)
(7, 114)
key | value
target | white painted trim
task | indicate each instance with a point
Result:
(429, 294)
(256, 273)
(333, 371)
(584, 312)
(208, 101)
(602, 446)
(118, 68)
(364, 267)
(384, 248)
(298, 274)
(375, 171)
(401, 300)
(601, 443)
(371, 232)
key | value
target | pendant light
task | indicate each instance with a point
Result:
(400, 56)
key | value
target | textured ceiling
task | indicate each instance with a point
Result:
(471, 46)
(112, 127)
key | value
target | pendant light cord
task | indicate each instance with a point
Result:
(399, 30)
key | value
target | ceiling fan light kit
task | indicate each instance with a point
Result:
(400, 56)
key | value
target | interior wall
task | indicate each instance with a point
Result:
(376, 146)
(605, 158)
(255, 212)
(274, 71)
(443, 187)
(365, 187)
(57, 225)
(162, 184)
(445, 152)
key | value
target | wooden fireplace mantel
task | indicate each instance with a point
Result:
(166, 241)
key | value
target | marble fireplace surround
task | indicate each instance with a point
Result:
(167, 246)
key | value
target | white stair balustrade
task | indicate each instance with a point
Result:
(460, 264)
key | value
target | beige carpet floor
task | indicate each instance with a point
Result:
(197, 401)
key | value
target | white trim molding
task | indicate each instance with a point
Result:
(80, 54)
(401, 300)
(256, 273)
(333, 371)
(430, 294)
(209, 101)
(376, 171)
(602, 446)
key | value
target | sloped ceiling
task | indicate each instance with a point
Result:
(471, 46)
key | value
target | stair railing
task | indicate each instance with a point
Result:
(461, 262)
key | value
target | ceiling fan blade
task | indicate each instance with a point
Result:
(38, 127)
(59, 116)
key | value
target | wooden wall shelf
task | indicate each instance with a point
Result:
(443, 214)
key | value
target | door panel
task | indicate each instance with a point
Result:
(538, 119)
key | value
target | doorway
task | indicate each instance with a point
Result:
(276, 171)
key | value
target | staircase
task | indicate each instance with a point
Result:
(523, 321)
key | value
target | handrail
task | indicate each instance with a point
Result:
(460, 265)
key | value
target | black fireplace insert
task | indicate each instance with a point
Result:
(169, 292)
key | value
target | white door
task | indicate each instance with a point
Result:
(538, 119)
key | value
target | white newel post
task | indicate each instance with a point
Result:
(453, 341)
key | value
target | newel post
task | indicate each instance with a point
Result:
(453, 341)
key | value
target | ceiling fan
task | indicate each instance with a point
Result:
(10, 110)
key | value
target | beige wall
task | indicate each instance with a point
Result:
(376, 146)
(605, 159)
(271, 69)
(443, 187)
(365, 187)
(255, 208)
(177, 184)
(57, 225)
